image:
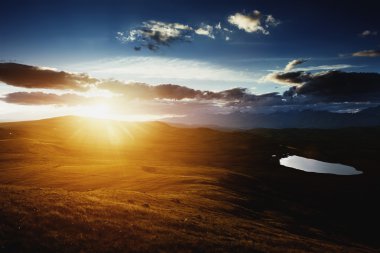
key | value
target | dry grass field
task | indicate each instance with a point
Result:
(74, 184)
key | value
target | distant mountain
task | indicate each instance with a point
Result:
(292, 119)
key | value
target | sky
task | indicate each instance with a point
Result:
(143, 60)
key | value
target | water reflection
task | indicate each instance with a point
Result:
(311, 165)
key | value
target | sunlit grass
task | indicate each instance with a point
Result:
(96, 185)
(97, 132)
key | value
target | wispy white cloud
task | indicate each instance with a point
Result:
(367, 53)
(164, 69)
(326, 67)
(271, 21)
(367, 33)
(291, 66)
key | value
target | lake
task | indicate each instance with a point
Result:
(312, 165)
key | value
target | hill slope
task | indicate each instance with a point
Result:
(73, 184)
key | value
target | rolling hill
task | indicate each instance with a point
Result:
(73, 184)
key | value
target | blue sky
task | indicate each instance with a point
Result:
(81, 36)
(65, 32)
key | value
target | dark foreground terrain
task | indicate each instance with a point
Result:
(78, 185)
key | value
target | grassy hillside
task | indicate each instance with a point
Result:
(73, 184)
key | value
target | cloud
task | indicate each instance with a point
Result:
(271, 21)
(329, 86)
(288, 78)
(325, 67)
(338, 86)
(129, 91)
(308, 90)
(367, 33)
(213, 31)
(249, 23)
(41, 98)
(149, 92)
(297, 76)
(218, 102)
(207, 30)
(173, 92)
(27, 76)
(293, 63)
(154, 34)
(320, 67)
(326, 86)
(367, 53)
(140, 98)
(253, 22)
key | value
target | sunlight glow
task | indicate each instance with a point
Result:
(102, 133)
(105, 111)
(100, 111)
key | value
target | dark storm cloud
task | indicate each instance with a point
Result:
(367, 53)
(338, 86)
(326, 86)
(41, 98)
(27, 76)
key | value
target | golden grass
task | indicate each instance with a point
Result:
(156, 189)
